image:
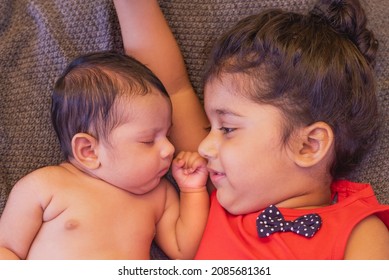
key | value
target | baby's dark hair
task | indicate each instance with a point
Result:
(86, 95)
(314, 67)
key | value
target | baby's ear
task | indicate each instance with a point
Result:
(85, 152)
(313, 144)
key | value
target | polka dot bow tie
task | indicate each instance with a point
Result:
(271, 220)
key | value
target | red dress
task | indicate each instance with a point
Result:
(235, 237)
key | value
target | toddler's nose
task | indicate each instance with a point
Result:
(207, 147)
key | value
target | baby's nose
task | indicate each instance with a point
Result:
(167, 149)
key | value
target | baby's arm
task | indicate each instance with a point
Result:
(20, 221)
(181, 227)
(368, 240)
(147, 37)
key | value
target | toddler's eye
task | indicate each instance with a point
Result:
(151, 142)
(226, 130)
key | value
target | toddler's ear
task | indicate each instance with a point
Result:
(313, 144)
(84, 148)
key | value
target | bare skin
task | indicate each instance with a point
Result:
(75, 221)
(111, 200)
(68, 218)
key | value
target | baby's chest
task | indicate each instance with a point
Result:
(103, 214)
(104, 230)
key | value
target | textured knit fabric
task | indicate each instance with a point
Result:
(356, 202)
(39, 37)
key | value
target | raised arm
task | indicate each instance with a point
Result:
(147, 37)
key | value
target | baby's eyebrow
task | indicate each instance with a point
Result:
(156, 129)
(151, 131)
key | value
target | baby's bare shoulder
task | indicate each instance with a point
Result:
(41, 184)
(40, 177)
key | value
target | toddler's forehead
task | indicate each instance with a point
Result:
(239, 85)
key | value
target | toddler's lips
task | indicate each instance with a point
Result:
(215, 176)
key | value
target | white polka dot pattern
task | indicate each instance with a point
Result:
(271, 220)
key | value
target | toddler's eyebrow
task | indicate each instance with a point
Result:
(227, 112)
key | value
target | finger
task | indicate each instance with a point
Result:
(195, 161)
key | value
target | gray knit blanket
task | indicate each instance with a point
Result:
(39, 37)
